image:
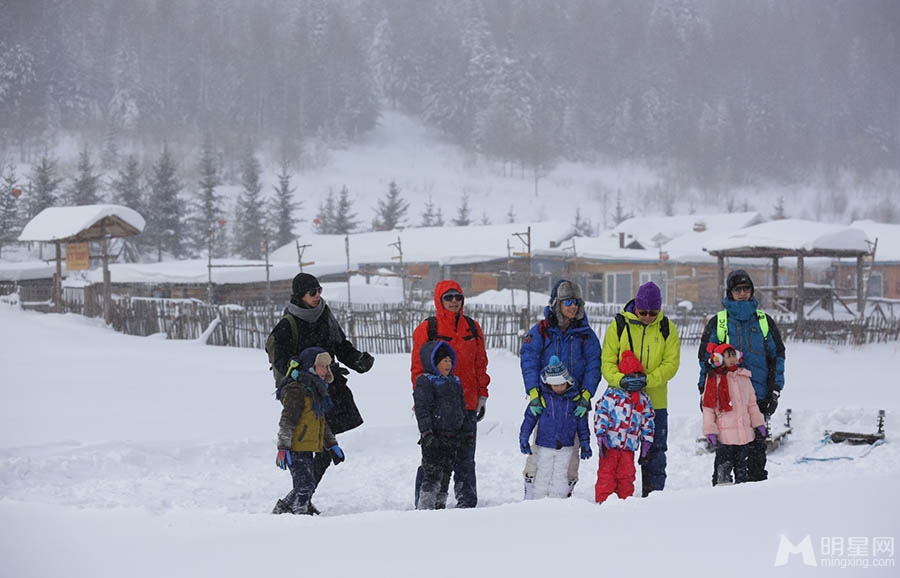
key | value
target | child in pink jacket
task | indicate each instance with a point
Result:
(731, 418)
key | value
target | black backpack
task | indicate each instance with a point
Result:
(270, 346)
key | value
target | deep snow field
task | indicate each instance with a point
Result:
(137, 456)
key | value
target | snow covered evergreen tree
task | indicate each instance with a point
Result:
(206, 206)
(462, 213)
(127, 188)
(511, 215)
(44, 185)
(250, 231)
(344, 220)
(429, 217)
(583, 226)
(10, 193)
(284, 208)
(165, 214)
(85, 188)
(324, 220)
(391, 210)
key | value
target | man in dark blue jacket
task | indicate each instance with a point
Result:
(752, 332)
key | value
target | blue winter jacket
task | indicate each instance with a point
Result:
(557, 424)
(764, 357)
(578, 348)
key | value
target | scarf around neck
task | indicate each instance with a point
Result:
(715, 394)
(308, 314)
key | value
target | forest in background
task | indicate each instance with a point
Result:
(723, 92)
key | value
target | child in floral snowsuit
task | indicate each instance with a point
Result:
(623, 422)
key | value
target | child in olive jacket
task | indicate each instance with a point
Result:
(302, 430)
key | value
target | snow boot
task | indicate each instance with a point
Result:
(281, 507)
(529, 487)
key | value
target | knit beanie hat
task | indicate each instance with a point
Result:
(735, 278)
(302, 283)
(630, 363)
(556, 372)
(648, 297)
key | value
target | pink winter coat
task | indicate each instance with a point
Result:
(735, 427)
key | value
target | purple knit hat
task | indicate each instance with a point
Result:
(648, 297)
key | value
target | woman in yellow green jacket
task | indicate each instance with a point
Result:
(653, 338)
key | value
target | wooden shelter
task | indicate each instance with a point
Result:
(84, 224)
(799, 239)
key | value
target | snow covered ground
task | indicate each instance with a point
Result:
(130, 456)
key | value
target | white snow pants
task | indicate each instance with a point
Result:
(551, 476)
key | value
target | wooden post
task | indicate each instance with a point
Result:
(860, 288)
(801, 291)
(57, 282)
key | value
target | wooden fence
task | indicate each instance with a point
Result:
(383, 329)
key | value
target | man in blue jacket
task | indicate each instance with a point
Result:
(752, 332)
(565, 333)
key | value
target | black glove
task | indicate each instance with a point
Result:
(364, 362)
(337, 454)
(768, 404)
(427, 440)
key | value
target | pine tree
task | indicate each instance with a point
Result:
(87, 184)
(582, 226)
(462, 213)
(284, 208)
(344, 220)
(439, 218)
(251, 226)
(485, 220)
(127, 188)
(10, 224)
(324, 220)
(779, 213)
(511, 215)
(44, 184)
(429, 217)
(620, 214)
(392, 210)
(164, 219)
(206, 209)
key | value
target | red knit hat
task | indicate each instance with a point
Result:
(630, 363)
(717, 353)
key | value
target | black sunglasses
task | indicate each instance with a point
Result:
(452, 297)
(646, 313)
(314, 291)
(742, 289)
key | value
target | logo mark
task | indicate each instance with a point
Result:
(786, 548)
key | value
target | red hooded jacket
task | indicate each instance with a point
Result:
(471, 356)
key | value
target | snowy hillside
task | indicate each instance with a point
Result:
(127, 456)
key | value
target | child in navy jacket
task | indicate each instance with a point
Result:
(440, 408)
(557, 427)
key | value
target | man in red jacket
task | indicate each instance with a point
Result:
(465, 335)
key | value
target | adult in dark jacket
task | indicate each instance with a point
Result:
(317, 326)
(467, 339)
(565, 333)
(440, 409)
(752, 332)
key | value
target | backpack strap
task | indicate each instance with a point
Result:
(433, 334)
(722, 325)
(295, 333)
(622, 325)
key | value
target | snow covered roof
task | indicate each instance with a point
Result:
(888, 236)
(601, 248)
(444, 245)
(652, 231)
(84, 223)
(791, 237)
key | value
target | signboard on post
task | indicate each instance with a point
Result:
(78, 256)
